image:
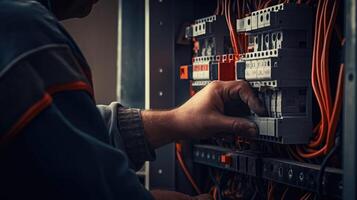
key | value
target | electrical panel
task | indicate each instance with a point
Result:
(276, 48)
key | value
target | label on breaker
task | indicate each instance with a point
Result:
(258, 70)
(264, 72)
(258, 73)
(201, 72)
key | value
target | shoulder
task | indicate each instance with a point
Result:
(13, 11)
(20, 18)
(26, 25)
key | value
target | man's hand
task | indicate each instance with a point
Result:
(165, 195)
(203, 115)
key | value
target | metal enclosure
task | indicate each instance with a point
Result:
(164, 19)
(349, 116)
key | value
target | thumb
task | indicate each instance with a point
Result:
(236, 125)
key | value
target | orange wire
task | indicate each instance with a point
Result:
(304, 196)
(229, 23)
(318, 65)
(267, 3)
(284, 193)
(223, 7)
(270, 191)
(337, 108)
(215, 193)
(216, 12)
(185, 169)
(326, 129)
(314, 81)
(325, 54)
(332, 130)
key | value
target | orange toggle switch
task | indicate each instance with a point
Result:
(226, 159)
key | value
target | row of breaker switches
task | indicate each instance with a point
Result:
(260, 165)
(209, 68)
(274, 39)
(259, 66)
(281, 16)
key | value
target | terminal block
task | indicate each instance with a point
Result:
(261, 165)
(244, 162)
(211, 36)
(216, 157)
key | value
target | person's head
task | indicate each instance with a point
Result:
(65, 9)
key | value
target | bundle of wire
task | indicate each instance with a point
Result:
(238, 41)
(330, 110)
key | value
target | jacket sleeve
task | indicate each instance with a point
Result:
(65, 151)
(126, 132)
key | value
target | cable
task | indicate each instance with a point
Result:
(184, 168)
(284, 193)
(270, 191)
(304, 196)
(215, 193)
(267, 3)
(324, 165)
(227, 9)
(335, 117)
(217, 185)
(216, 12)
(222, 7)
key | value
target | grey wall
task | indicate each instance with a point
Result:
(96, 35)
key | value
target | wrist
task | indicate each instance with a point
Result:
(181, 125)
(160, 127)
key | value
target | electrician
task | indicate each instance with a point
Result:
(56, 143)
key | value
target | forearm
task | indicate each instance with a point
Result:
(161, 127)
